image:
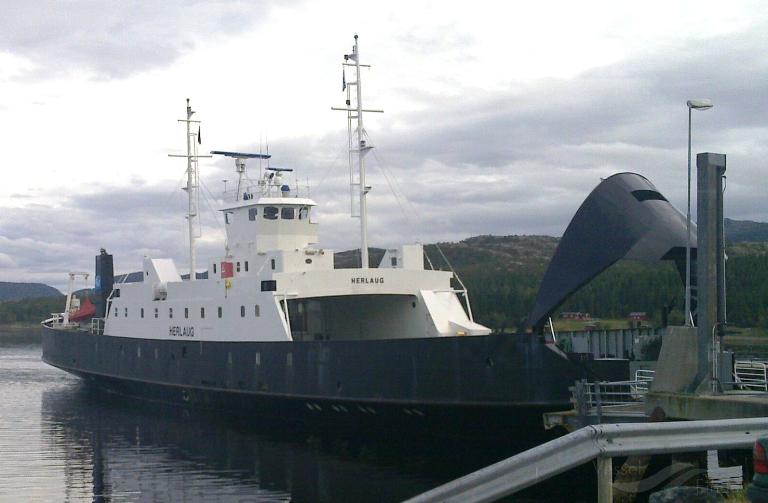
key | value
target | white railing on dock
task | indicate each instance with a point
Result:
(644, 378)
(602, 442)
(751, 375)
(595, 395)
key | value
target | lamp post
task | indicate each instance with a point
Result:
(702, 104)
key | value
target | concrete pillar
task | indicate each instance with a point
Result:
(709, 262)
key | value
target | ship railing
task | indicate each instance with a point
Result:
(751, 375)
(97, 326)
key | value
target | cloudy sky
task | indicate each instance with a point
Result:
(500, 117)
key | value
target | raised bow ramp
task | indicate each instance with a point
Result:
(625, 216)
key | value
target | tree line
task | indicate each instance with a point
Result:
(502, 299)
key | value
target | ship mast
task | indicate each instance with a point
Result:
(192, 188)
(358, 148)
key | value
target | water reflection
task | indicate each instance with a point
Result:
(131, 450)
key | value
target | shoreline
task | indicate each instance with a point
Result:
(20, 325)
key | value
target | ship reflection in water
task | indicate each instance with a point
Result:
(132, 450)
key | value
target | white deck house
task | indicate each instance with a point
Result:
(275, 284)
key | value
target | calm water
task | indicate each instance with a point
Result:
(61, 440)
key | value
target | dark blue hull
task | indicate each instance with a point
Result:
(487, 383)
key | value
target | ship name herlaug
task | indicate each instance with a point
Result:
(181, 331)
(367, 281)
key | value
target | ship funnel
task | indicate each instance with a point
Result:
(105, 279)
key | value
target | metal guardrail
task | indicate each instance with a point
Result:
(601, 442)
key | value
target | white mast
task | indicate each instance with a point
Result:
(192, 188)
(358, 148)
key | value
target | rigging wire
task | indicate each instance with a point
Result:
(395, 188)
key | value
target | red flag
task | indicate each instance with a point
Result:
(227, 271)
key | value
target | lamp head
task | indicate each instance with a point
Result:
(702, 104)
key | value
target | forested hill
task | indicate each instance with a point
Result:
(740, 231)
(503, 273)
(14, 291)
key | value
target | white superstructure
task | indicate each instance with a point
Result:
(274, 283)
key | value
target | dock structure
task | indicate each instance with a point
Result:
(695, 378)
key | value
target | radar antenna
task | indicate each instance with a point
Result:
(240, 158)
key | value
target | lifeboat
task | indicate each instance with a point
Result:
(85, 311)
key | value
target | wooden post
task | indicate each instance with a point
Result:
(604, 480)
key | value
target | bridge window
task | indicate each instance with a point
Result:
(170, 312)
(125, 313)
(242, 311)
(252, 212)
(214, 268)
(269, 285)
(272, 263)
(270, 212)
(238, 267)
(246, 266)
(303, 213)
(202, 312)
(142, 312)
(116, 312)
(256, 311)
(219, 311)
(648, 195)
(186, 312)
(156, 313)
(288, 213)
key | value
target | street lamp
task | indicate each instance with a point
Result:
(692, 105)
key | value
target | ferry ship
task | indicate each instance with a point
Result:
(274, 328)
